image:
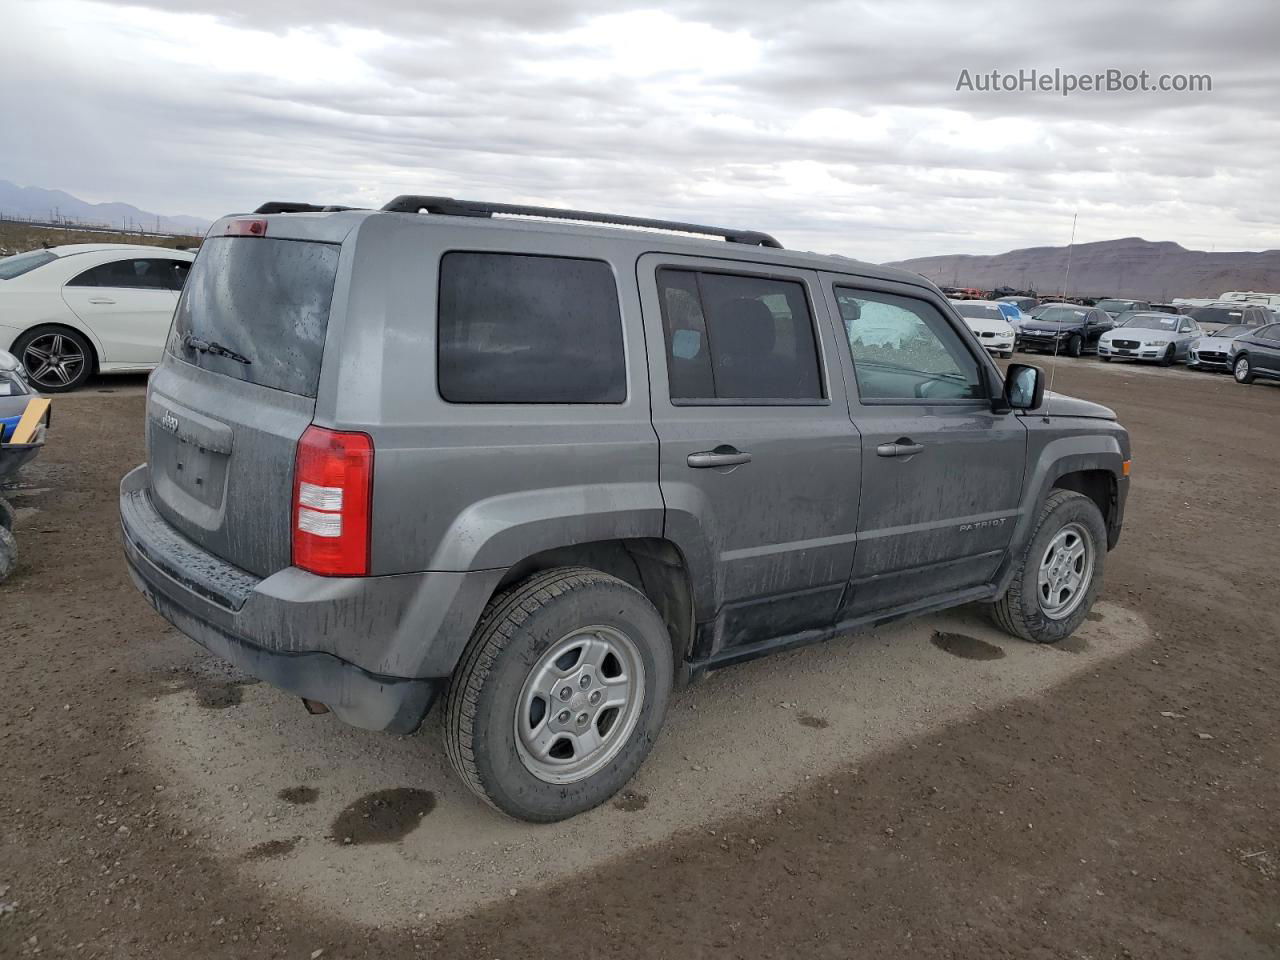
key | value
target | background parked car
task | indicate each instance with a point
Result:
(1064, 328)
(1117, 307)
(68, 311)
(1013, 313)
(1025, 304)
(1214, 317)
(1257, 354)
(987, 321)
(1213, 351)
(1162, 337)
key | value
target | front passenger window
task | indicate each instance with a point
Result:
(904, 349)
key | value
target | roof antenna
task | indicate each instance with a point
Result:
(1057, 341)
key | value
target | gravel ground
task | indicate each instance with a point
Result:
(1119, 799)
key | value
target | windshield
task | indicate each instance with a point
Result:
(982, 310)
(1115, 306)
(1238, 330)
(21, 263)
(1152, 321)
(1216, 315)
(1058, 315)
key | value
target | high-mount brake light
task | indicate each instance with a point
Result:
(245, 228)
(332, 502)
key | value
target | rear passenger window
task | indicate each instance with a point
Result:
(527, 329)
(129, 274)
(732, 337)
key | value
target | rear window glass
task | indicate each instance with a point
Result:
(526, 329)
(21, 263)
(742, 338)
(266, 302)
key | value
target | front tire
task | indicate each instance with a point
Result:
(1242, 371)
(559, 695)
(57, 359)
(1075, 346)
(1059, 573)
(1170, 355)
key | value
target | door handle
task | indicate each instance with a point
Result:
(101, 300)
(902, 447)
(722, 456)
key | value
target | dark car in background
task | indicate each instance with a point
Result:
(1064, 328)
(1025, 304)
(1116, 307)
(1215, 316)
(1257, 354)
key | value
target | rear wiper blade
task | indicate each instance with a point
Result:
(215, 348)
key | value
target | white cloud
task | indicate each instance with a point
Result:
(835, 125)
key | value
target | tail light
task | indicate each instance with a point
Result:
(332, 501)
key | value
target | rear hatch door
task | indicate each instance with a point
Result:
(236, 389)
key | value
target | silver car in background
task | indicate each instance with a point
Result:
(1215, 351)
(1163, 337)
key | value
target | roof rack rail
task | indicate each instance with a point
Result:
(447, 206)
(281, 206)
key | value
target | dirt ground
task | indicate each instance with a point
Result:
(960, 795)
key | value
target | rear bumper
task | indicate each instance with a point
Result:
(376, 650)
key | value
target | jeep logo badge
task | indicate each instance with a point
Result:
(169, 422)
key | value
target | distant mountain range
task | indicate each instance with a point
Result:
(40, 204)
(1130, 267)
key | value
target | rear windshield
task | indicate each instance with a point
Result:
(21, 263)
(257, 309)
(982, 311)
(1216, 315)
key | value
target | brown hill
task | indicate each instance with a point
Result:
(1130, 267)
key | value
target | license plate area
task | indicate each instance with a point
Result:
(197, 471)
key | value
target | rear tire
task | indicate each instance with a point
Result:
(7, 514)
(8, 553)
(515, 739)
(1039, 605)
(57, 359)
(1242, 371)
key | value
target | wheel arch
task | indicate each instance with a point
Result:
(653, 565)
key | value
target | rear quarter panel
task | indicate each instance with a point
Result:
(477, 486)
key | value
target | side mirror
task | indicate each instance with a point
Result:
(1023, 387)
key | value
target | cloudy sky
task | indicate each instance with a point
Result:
(835, 125)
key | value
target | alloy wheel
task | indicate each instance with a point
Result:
(53, 360)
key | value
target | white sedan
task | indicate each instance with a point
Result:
(69, 311)
(989, 324)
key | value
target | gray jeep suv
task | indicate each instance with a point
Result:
(548, 470)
